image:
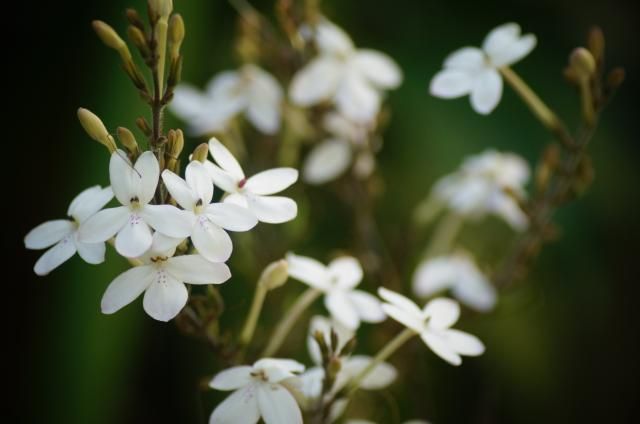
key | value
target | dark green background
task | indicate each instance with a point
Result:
(562, 347)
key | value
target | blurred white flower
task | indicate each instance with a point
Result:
(209, 220)
(134, 187)
(161, 278)
(433, 324)
(249, 90)
(356, 421)
(259, 392)
(254, 192)
(458, 273)
(62, 234)
(474, 71)
(491, 182)
(352, 78)
(337, 281)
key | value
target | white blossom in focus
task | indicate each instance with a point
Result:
(354, 79)
(62, 234)
(475, 71)
(338, 281)
(249, 90)
(253, 193)
(162, 278)
(489, 183)
(260, 391)
(458, 273)
(134, 186)
(433, 324)
(209, 220)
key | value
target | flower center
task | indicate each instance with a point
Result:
(134, 203)
(199, 207)
(259, 375)
(241, 183)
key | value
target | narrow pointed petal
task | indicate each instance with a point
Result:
(241, 407)
(308, 270)
(273, 209)
(440, 346)
(56, 256)
(134, 238)
(341, 309)
(464, 343)
(277, 405)
(89, 202)
(379, 68)
(126, 288)
(346, 271)
(92, 253)
(317, 81)
(103, 225)
(194, 269)
(368, 306)
(451, 83)
(48, 233)
(231, 217)
(271, 181)
(486, 91)
(199, 181)
(225, 159)
(232, 378)
(211, 241)
(179, 189)
(165, 297)
(327, 161)
(442, 312)
(168, 219)
(399, 301)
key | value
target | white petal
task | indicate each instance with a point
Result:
(277, 405)
(414, 322)
(55, 256)
(163, 245)
(124, 181)
(486, 91)
(469, 59)
(345, 271)
(88, 202)
(265, 98)
(221, 178)
(440, 346)
(148, 168)
(265, 116)
(504, 46)
(103, 225)
(237, 199)
(379, 68)
(126, 288)
(400, 301)
(241, 407)
(451, 83)
(232, 378)
(506, 207)
(433, 276)
(341, 309)
(211, 241)
(199, 181)
(476, 292)
(231, 217)
(165, 297)
(308, 270)
(464, 343)
(380, 377)
(225, 159)
(92, 253)
(179, 189)
(317, 81)
(332, 39)
(357, 99)
(227, 91)
(326, 161)
(271, 181)
(311, 383)
(273, 209)
(194, 269)
(187, 102)
(168, 219)
(134, 238)
(277, 365)
(442, 312)
(368, 306)
(48, 233)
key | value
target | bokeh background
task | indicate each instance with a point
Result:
(561, 347)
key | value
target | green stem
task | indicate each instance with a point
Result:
(289, 320)
(254, 313)
(445, 233)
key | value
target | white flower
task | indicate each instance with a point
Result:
(474, 71)
(432, 324)
(259, 391)
(357, 421)
(162, 279)
(352, 78)
(134, 187)
(491, 182)
(209, 219)
(62, 234)
(251, 90)
(254, 192)
(459, 273)
(338, 281)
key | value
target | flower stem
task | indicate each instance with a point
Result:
(445, 233)
(289, 320)
(254, 313)
(384, 353)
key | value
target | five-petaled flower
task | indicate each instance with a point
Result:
(352, 78)
(433, 324)
(62, 234)
(474, 71)
(251, 90)
(254, 192)
(134, 187)
(161, 278)
(210, 220)
(338, 281)
(259, 391)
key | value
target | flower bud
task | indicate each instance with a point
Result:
(96, 129)
(139, 40)
(176, 34)
(582, 63)
(200, 153)
(134, 18)
(108, 35)
(143, 125)
(128, 140)
(595, 42)
(161, 8)
(274, 275)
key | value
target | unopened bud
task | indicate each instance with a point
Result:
(319, 337)
(582, 63)
(134, 19)
(274, 275)
(161, 8)
(200, 153)
(348, 347)
(143, 125)
(547, 166)
(111, 39)
(334, 367)
(595, 42)
(95, 128)
(178, 143)
(139, 40)
(128, 140)
(615, 78)
(176, 34)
